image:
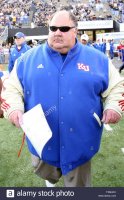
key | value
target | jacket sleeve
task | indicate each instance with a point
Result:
(115, 90)
(12, 94)
(10, 65)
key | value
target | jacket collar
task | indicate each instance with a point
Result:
(72, 51)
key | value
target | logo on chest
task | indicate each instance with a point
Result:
(83, 67)
(40, 66)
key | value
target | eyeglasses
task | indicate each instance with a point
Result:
(61, 28)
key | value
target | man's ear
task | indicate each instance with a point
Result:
(75, 31)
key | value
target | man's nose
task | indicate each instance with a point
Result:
(58, 32)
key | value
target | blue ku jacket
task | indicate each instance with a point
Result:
(73, 88)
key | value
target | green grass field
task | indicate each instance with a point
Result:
(107, 165)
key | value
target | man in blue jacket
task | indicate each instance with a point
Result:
(74, 79)
(18, 49)
(84, 39)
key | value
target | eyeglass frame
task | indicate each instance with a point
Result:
(61, 28)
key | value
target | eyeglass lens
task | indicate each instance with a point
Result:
(61, 28)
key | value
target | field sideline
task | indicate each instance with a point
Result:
(107, 165)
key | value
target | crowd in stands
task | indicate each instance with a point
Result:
(17, 13)
(84, 11)
(117, 9)
(14, 13)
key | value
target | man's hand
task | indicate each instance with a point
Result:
(121, 104)
(15, 118)
(110, 117)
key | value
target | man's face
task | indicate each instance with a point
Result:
(84, 42)
(19, 41)
(59, 40)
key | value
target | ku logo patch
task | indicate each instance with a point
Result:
(83, 67)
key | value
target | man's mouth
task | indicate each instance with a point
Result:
(58, 40)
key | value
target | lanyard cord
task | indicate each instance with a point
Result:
(23, 141)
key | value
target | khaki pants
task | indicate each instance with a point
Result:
(79, 177)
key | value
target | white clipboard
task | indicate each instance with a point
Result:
(36, 128)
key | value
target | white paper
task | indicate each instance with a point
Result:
(36, 128)
(108, 127)
(122, 149)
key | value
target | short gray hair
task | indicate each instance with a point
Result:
(71, 16)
